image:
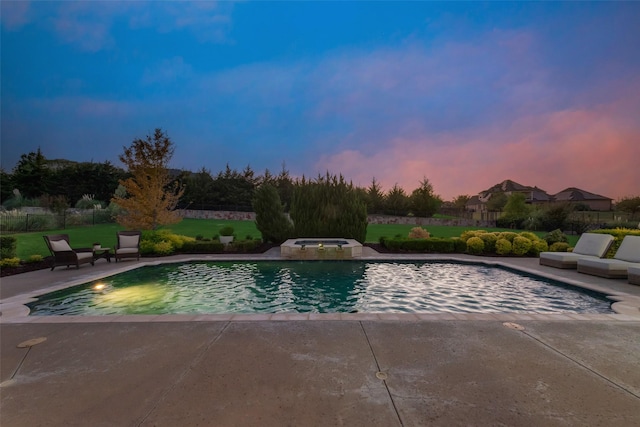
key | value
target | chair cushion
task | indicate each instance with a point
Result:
(129, 241)
(59, 245)
(127, 251)
(629, 249)
(84, 255)
(593, 244)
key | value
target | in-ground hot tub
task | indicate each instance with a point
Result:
(321, 248)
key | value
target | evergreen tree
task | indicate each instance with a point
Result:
(375, 198)
(31, 175)
(396, 202)
(271, 220)
(151, 196)
(423, 202)
(328, 207)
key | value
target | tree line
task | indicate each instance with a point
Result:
(59, 184)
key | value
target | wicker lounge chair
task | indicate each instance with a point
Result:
(627, 255)
(58, 245)
(590, 245)
(128, 245)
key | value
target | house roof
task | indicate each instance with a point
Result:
(573, 194)
(508, 186)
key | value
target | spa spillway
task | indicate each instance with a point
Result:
(321, 248)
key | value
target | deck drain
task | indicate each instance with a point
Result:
(515, 326)
(381, 375)
(31, 342)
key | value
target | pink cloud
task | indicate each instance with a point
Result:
(588, 149)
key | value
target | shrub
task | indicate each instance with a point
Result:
(618, 234)
(418, 233)
(521, 245)
(459, 245)
(434, 244)
(555, 236)
(466, 235)
(88, 202)
(226, 231)
(559, 247)
(156, 241)
(10, 262)
(529, 235)
(489, 240)
(147, 247)
(8, 245)
(163, 248)
(507, 235)
(475, 245)
(503, 247)
(382, 239)
(34, 258)
(243, 246)
(538, 246)
(202, 247)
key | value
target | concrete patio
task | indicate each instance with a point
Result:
(319, 370)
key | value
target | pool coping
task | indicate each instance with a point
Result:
(626, 305)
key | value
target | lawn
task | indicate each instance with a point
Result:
(33, 243)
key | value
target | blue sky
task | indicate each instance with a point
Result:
(466, 94)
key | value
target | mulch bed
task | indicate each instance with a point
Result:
(25, 268)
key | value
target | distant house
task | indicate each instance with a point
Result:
(576, 196)
(533, 195)
(537, 196)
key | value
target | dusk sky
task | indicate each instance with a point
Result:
(463, 94)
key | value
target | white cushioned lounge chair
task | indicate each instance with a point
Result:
(62, 253)
(590, 245)
(627, 255)
(634, 275)
(128, 245)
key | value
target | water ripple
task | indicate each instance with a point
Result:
(319, 287)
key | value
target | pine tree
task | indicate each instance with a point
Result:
(151, 196)
(423, 202)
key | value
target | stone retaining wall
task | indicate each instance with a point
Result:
(373, 219)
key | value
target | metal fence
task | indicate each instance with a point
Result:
(17, 222)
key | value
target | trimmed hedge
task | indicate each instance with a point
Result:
(433, 244)
(202, 247)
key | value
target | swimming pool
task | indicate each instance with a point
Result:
(318, 287)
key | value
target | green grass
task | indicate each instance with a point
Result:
(81, 237)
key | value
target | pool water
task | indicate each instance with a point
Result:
(318, 287)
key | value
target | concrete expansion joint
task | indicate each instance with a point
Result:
(381, 375)
(581, 364)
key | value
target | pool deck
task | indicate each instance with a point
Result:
(319, 369)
